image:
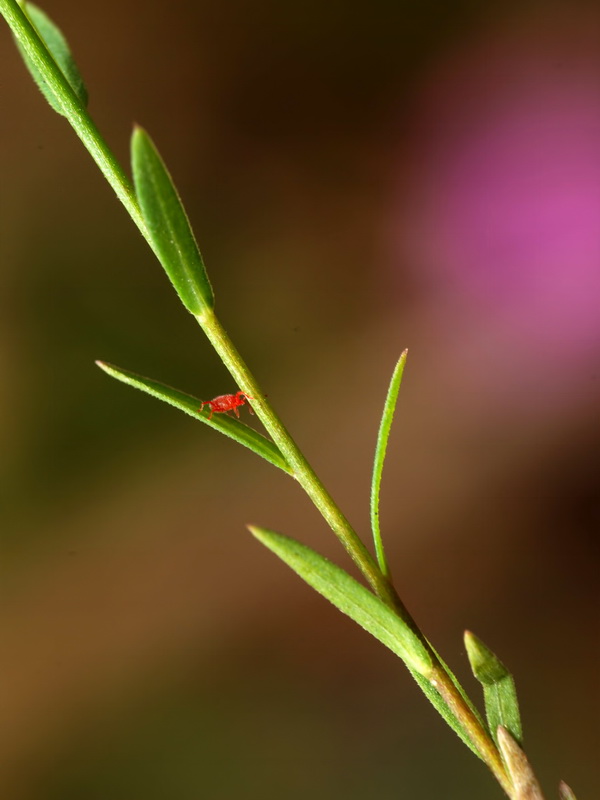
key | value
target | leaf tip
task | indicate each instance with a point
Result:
(105, 367)
(565, 792)
(258, 533)
(401, 363)
(139, 139)
(486, 666)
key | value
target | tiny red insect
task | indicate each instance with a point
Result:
(227, 402)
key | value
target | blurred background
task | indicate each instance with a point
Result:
(362, 178)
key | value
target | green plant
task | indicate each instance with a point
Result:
(154, 205)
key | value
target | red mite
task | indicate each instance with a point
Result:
(227, 402)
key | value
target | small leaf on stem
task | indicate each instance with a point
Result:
(499, 692)
(243, 434)
(350, 597)
(525, 783)
(380, 450)
(58, 48)
(169, 226)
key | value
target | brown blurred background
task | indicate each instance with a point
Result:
(362, 178)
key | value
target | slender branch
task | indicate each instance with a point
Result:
(86, 130)
(302, 470)
(93, 141)
(384, 589)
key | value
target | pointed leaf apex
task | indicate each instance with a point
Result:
(486, 667)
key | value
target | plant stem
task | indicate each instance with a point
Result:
(381, 585)
(93, 141)
(302, 470)
(310, 482)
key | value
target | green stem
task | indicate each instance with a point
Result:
(310, 482)
(302, 470)
(93, 141)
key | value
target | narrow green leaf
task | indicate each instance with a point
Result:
(350, 597)
(58, 48)
(229, 426)
(500, 695)
(368, 611)
(380, 450)
(169, 226)
(525, 784)
(565, 792)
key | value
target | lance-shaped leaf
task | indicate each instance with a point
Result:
(57, 47)
(380, 450)
(500, 695)
(350, 597)
(233, 428)
(358, 603)
(169, 226)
